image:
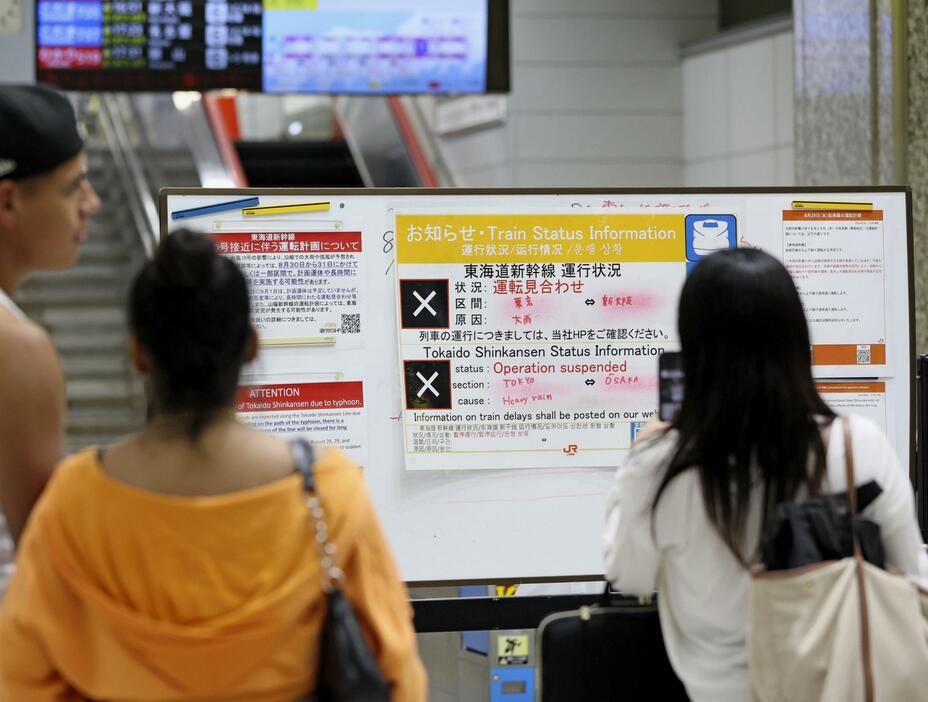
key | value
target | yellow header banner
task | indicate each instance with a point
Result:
(540, 238)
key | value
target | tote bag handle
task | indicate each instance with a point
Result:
(858, 561)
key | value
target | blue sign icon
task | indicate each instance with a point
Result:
(512, 684)
(708, 233)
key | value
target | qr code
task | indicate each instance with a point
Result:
(351, 323)
(863, 355)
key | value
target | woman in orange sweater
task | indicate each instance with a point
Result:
(179, 565)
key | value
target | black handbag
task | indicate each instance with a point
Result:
(348, 671)
(818, 529)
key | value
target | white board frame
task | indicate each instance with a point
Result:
(456, 541)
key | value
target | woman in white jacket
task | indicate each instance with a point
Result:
(688, 506)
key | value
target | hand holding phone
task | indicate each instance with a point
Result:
(670, 385)
(652, 427)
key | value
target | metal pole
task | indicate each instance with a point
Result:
(921, 432)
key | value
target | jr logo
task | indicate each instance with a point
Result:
(571, 449)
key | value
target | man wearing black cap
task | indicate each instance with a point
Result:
(45, 203)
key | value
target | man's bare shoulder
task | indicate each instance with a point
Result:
(24, 344)
(31, 416)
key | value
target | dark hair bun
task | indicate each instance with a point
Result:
(189, 309)
(186, 259)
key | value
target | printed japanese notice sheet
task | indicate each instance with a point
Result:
(863, 397)
(531, 340)
(836, 260)
(330, 413)
(306, 286)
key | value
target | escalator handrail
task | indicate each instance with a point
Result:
(224, 141)
(411, 139)
(141, 204)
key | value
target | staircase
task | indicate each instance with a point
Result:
(83, 309)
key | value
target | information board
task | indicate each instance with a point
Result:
(488, 356)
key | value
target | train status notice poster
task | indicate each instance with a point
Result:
(536, 336)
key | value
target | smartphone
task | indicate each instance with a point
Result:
(670, 385)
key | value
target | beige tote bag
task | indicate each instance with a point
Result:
(838, 631)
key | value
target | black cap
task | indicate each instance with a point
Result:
(38, 130)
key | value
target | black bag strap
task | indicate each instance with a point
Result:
(851, 482)
(303, 460)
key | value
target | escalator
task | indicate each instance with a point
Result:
(298, 164)
(373, 142)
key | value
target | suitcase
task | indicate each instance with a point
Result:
(605, 652)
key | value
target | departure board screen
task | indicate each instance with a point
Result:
(279, 46)
(136, 45)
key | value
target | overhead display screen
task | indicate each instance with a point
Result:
(358, 46)
(275, 46)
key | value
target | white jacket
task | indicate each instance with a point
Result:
(703, 589)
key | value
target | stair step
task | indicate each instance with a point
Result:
(70, 342)
(114, 228)
(95, 366)
(113, 207)
(83, 272)
(85, 317)
(99, 251)
(108, 391)
(181, 169)
(98, 154)
(78, 326)
(108, 294)
(109, 187)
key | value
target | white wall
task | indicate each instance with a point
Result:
(596, 98)
(738, 107)
(17, 51)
